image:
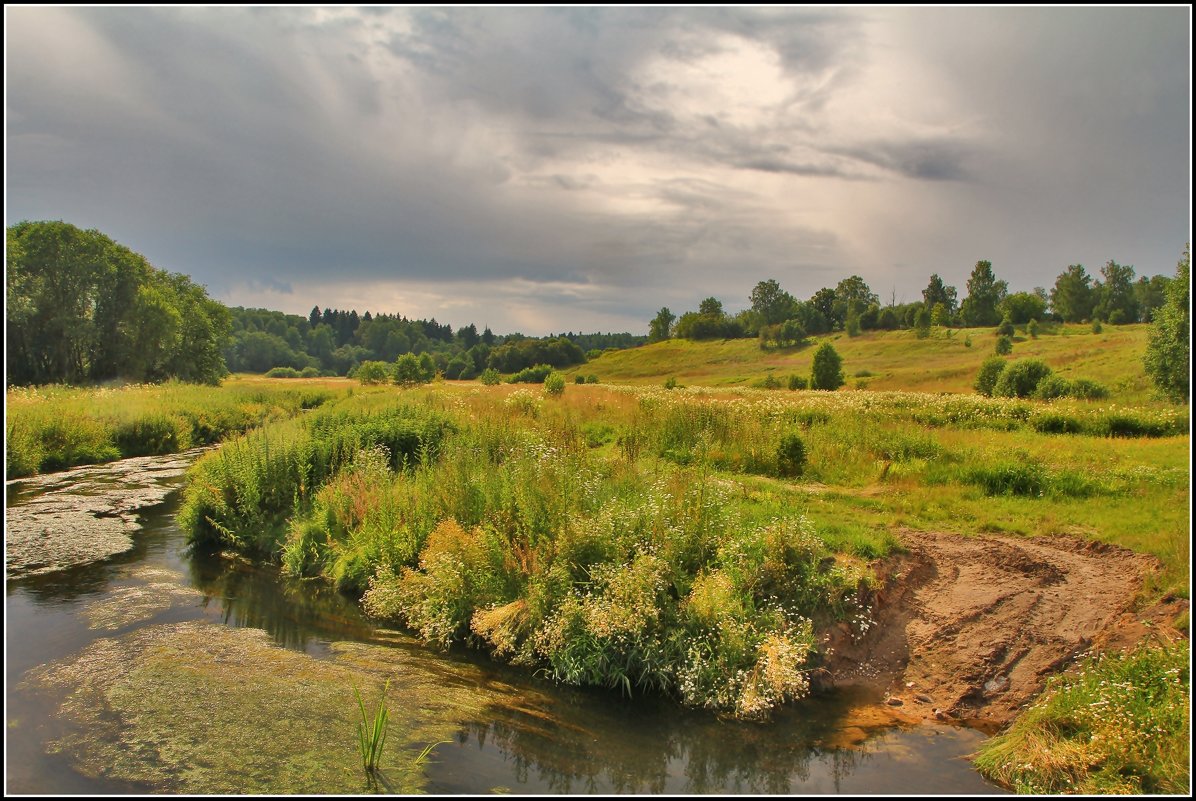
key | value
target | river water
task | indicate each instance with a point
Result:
(145, 668)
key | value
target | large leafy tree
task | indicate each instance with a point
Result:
(773, 304)
(823, 302)
(937, 292)
(985, 293)
(83, 308)
(1116, 301)
(1168, 353)
(1022, 307)
(1072, 297)
(852, 297)
(661, 324)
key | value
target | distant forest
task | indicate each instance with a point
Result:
(84, 309)
(333, 341)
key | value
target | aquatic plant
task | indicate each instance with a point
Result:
(371, 735)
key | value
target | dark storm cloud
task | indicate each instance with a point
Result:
(604, 161)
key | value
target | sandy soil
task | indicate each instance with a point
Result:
(968, 628)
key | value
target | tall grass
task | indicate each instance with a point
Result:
(663, 541)
(53, 428)
(1120, 724)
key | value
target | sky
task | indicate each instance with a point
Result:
(551, 169)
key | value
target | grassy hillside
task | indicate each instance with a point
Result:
(891, 360)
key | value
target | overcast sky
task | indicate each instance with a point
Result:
(576, 169)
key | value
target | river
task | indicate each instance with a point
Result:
(136, 666)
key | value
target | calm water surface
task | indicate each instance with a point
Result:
(591, 742)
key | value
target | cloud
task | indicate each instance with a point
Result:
(651, 155)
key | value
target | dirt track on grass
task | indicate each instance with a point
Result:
(969, 628)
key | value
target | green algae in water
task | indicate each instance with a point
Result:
(202, 708)
(88, 514)
(126, 605)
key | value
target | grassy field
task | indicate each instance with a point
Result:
(53, 428)
(685, 541)
(893, 360)
(688, 541)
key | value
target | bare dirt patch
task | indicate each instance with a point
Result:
(969, 628)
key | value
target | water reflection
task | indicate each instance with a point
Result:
(298, 614)
(582, 745)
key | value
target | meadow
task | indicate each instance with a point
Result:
(56, 427)
(946, 361)
(686, 542)
(691, 542)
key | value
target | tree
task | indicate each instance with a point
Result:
(1168, 359)
(661, 324)
(712, 306)
(773, 304)
(938, 292)
(1116, 302)
(852, 297)
(407, 370)
(1072, 298)
(940, 315)
(823, 302)
(83, 308)
(827, 371)
(922, 323)
(1022, 307)
(1151, 294)
(985, 294)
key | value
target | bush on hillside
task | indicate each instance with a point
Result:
(1019, 379)
(990, 371)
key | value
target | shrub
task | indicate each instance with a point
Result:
(1005, 329)
(1096, 327)
(409, 371)
(990, 370)
(827, 371)
(579, 379)
(670, 383)
(309, 372)
(922, 323)
(1117, 317)
(1004, 346)
(1085, 389)
(1052, 387)
(282, 372)
(798, 382)
(373, 372)
(967, 341)
(1019, 379)
(490, 377)
(531, 375)
(591, 379)
(554, 384)
(1032, 329)
(791, 455)
(769, 381)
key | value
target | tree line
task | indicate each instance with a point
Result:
(780, 319)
